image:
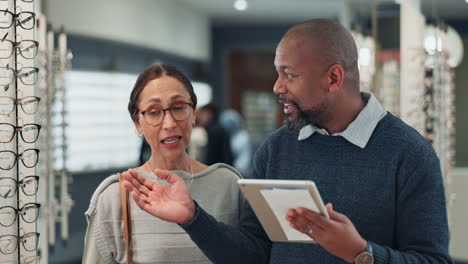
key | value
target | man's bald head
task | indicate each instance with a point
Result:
(336, 44)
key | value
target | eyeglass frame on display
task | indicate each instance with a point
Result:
(20, 156)
(21, 184)
(19, 129)
(16, 46)
(24, 260)
(26, 1)
(18, 74)
(15, 17)
(19, 102)
(20, 211)
(163, 110)
(21, 239)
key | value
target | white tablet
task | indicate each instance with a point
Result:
(271, 199)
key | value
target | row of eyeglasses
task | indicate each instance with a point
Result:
(429, 105)
(28, 76)
(29, 133)
(26, 48)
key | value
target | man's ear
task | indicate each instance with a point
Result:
(335, 77)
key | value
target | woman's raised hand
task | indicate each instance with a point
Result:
(172, 203)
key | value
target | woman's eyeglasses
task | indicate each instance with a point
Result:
(28, 185)
(26, 20)
(9, 243)
(26, 48)
(155, 115)
(8, 158)
(29, 104)
(29, 132)
(29, 213)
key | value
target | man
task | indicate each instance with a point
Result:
(380, 174)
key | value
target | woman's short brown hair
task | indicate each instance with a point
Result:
(151, 73)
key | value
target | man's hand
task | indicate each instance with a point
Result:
(337, 235)
(172, 203)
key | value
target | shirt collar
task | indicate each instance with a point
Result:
(360, 130)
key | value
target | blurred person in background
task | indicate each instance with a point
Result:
(241, 145)
(218, 147)
(199, 141)
(145, 151)
(162, 106)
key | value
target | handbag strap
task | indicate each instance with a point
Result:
(125, 206)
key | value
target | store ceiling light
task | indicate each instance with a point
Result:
(242, 5)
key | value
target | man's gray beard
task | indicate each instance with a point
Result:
(298, 123)
(304, 118)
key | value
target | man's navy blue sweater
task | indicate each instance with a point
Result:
(392, 191)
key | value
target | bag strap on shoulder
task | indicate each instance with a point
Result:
(125, 206)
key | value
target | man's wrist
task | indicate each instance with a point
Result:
(360, 247)
(192, 213)
(366, 256)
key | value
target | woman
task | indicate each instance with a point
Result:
(161, 106)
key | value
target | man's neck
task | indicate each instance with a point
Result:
(345, 113)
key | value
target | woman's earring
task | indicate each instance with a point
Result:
(140, 134)
(193, 124)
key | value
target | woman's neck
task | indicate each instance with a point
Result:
(183, 163)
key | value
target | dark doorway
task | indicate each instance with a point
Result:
(251, 78)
